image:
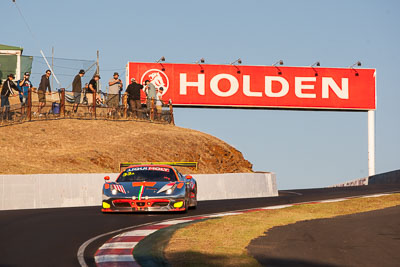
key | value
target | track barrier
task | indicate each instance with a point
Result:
(392, 177)
(75, 190)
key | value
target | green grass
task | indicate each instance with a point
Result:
(223, 241)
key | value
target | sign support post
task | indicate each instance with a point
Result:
(371, 142)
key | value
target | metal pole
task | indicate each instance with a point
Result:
(98, 70)
(29, 106)
(52, 65)
(18, 70)
(371, 142)
(62, 108)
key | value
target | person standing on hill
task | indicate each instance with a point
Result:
(115, 84)
(77, 89)
(6, 91)
(159, 102)
(150, 91)
(24, 85)
(93, 89)
(43, 86)
(133, 91)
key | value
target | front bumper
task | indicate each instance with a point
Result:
(130, 205)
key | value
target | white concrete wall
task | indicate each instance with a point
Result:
(356, 182)
(74, 190)
(235, 185)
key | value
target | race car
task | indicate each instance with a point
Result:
(141, 188)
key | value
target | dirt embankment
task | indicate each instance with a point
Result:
(80, 146)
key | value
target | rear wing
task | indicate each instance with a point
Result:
(124, 165)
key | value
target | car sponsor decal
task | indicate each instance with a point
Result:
(141, 192)
(119, 188)
(159, 169)
(136, 169)
(150, 168)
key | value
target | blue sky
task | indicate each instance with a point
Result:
(304, 148)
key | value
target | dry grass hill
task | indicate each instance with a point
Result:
(89, 146)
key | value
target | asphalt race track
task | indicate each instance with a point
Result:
(363, 239)
(52, 237)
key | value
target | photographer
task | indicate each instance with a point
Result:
(6, 91)
(24, 85)
(115, 84)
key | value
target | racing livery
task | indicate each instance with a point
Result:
(149, 188)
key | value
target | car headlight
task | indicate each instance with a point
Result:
(168, 188)
(113, 191)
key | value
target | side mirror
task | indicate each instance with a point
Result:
(107, 178)
(189, 177)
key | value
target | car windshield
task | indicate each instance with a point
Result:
(153, 174)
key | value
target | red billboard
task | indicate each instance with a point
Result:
(205, 85)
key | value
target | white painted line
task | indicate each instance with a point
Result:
(223, 214)
(114, 258)
(173, 222)
(138, 233)
(118, 245)
(291, 192)
(377, 195)
(333, 200)
(277, 207)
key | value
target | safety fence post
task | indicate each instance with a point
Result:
(94, 104)
(29, 107)
(152, 109)
(62, 104)
(171, 112)
(125, 103)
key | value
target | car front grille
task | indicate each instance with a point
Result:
(122, 204)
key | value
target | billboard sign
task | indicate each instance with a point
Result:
(205, 85)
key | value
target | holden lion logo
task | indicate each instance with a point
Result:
(156, 77)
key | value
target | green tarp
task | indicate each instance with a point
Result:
(26, 64)
(8, 64)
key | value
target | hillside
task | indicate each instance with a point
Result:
(88, 146)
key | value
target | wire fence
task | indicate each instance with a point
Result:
(64, 68)
(66, 104)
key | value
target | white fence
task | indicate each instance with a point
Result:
(74, 190)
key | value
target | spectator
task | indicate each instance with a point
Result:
(113, 93)
(77, 89)
(133, 91)
(93, 88)
(6, 91)
(43, 86)
(150, 91)
(159, 102)
(24, 85)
